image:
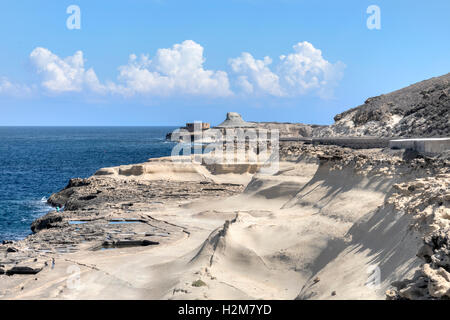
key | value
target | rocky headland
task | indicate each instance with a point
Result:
(419, 110)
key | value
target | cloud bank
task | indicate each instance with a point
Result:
(180, 71)
(176, 70)
(296, 74)
(8, 88)
(64, 75)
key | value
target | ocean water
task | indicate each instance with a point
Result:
(38, 161)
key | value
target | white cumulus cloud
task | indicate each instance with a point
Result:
(180, 71)
(173, 71)
(64, 75)
(176, 70)
(255, 75)
(301, 72)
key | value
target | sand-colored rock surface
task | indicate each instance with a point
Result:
(331, 223)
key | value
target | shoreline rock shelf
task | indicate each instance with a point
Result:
(245, 234)
(201, 223)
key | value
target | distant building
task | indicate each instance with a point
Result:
(190, 126)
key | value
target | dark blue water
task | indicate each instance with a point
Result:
(38, 161)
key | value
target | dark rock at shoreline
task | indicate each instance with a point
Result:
(50, 220)
(60, 199)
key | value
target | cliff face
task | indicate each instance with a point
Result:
(419, 110)
(290, 130)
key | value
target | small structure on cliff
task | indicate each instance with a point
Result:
(422, 145)
(191, 126)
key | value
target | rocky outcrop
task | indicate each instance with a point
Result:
(419, 110)
(234, 121)
(427, 200)
(60, 199)
(290, 130)
(50, 220)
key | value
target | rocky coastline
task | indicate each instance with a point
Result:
(136, 212)
(168, 229)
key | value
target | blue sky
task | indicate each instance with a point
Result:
(204, 58)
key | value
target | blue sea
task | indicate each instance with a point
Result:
(38, 161)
